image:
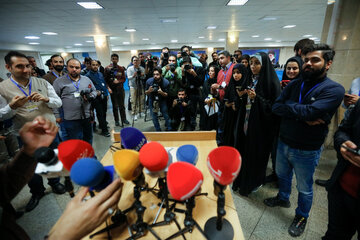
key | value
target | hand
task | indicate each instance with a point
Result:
(98, 92)
(160, 91)
(241, 93)
(192, 72)
(37, 97)
(116, 81)
(207, 101)
(135, 74)
(227, 104)
(351, 157)
(174, 103)
(184, 104)
(38, 133)
(215, 86)
(350, 99)
(150, 90)
(316, 122)
(251, 93)
(18, 101)
(110, 91)
(233, 106)
(167, 67)
(58, 120)
(81, 218)
(2, 137)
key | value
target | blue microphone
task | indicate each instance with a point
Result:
(89, 172)
(187, 153)
(132, 138)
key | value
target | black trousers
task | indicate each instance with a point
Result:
(117, 99)
(344, 215)
(100, 106)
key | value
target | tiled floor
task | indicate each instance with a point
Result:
(258, 221)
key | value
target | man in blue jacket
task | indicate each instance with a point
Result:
(306, 107)
(100, 102)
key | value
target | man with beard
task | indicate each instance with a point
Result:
(157, 90)
(76, 93)
(215, 61)
(57, 63)
(306, 107)
(40, 72)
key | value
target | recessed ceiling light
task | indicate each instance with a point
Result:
(211, 27)
(126, 43)
(49, 33)
(289, 26)
(89, 41)
(255, 36)
(78, 44)
(168, 20)
(267, 39)
(174, 41)
(32, 37)
(236, 2)
(269, 18)
(221, 39)
(34, 43)
(145, 39)
(90, 5)
(130, 29)
(201, 37)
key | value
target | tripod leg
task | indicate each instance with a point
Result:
(178, 226)
(200, 230)
(181, 232)
(158, 213)
(153, 233)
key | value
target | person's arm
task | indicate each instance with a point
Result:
(81, 217)
(54, 99)
(9, 110)
(56, 111)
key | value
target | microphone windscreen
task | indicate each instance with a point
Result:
(184, 180)
(187, 153)
(107, 179)
(153, 156)
(127, 164)
(72, 150)
(224, 164)
(87, 172)
(132, 138)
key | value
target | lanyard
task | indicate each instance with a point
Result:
(55, 74)
(21, 87)
(225, 74)
(77, 83)
(301, 89)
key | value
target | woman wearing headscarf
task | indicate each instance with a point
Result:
(232, 103)
(256, 125)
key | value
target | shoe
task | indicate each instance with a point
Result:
(105, 134)
(126, 122)
(34, 201)
(117, 123)
(298, 226)
(276, 201)
(271, 178)
(18, 214)
(58, 188)
(320, 182)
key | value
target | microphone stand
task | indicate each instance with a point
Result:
(189, 221)
(218, 227)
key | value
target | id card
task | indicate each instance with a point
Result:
(32, 107)
(223, 84)
(76, 94)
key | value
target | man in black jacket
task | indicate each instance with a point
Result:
(344, 184)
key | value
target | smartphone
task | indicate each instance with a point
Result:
(347, 95)
(355, 151)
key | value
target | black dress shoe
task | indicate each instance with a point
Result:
(320, 182)
(58, 188)
(117, 123)
(34, 201)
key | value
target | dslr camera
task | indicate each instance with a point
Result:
(87, 95)
(180, 100)
(184, 54)
(155, 87)
(187, 67)
(172, 67)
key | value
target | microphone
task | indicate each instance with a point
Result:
(90, 172)
(184, 180)
(154, 157)
(224, 164)
(132, 138)
(187, 153)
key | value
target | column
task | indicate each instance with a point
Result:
(102, 47)
(232, 41)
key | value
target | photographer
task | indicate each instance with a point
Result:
(150, 64)
(186, 52)
(237, 56)
(174, 74)
(76, 93)
(181, 112)
(157, 90)
(100, 102)
(136, 75)
(115, 78)
(164, 57)
(192, 79)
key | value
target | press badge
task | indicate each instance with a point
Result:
(31, 107)
(223, 84)
(76, 94)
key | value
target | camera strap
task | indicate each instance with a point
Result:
(77, 82)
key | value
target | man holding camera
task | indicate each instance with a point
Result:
(186, 52)
(192, 79)
(115, 78)
(157, 90)
(181, 112)
(76, 93)
(174, 74)
(100, 102)
(136, 74)
(164, 57)
(237, 55)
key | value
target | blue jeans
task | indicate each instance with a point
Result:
(154, 115)
(303, 163)
(78, 129)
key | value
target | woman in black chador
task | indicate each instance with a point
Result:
(232, 103)
(256, 125)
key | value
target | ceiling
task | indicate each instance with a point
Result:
(74, 24)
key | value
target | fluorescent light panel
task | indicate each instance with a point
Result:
(78, 44)
(211, 27)
(307, 35)
(268, 18)
(174, 41)
(201, 37)
(89, 41)
(145, 39)
(221, 39)
(90, 5)
(168, 20)
(267, 39)
(49, 33)
(255, 36)
(34, 43)
(32, 37)
(126, 43)
(130, 29)
(236, 2)
(289, 26)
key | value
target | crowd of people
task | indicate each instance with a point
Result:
(239, 96)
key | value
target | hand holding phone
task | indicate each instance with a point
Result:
(352, 150)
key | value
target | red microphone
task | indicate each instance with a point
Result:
(184, 180)
(72, 150)
(154, 157)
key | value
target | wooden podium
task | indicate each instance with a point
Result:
(205, 206)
